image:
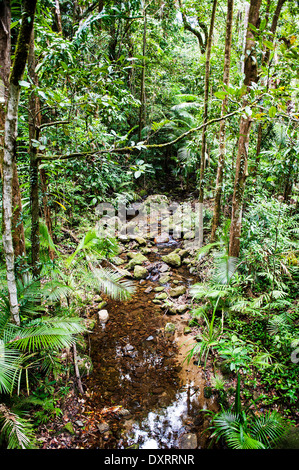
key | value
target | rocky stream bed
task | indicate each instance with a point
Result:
(141, 391)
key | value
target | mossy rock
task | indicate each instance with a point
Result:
(138, 259)
(164, 279)
(69, 428)
(140, 272)
(161, 296)
(290, 439)
(207, 392)
(85, 365)
(177, 291)
(173, 259)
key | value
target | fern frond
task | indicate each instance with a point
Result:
(16, 431)
(112, 284)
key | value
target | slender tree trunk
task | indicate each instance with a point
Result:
(251, 76)
(47, 214)
(246, 17)
(142, 118)
(34, 125)
(221, 160)
(10, 136)
(58, 16)
(205, 119)
(5, 61)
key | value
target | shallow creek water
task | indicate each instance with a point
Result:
(140, 368)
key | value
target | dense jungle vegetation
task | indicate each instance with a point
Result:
(106, 101)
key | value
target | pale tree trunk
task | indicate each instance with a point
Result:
(205, 119)
(10, 136)
(246, 16)
(251, 76)
(58, 16)
(221, 159)
(5, 61)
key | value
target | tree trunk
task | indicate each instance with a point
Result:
(251, 76)
(205, 119)
(47, 214)
(221, 160)
(58, 16)
(10, 136)
(34, 124)
(5, 61)
(142, 118)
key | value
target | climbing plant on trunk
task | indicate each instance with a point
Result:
(10, 136)
(221, 159)
(251, 76)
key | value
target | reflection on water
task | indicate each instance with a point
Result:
(162, 428)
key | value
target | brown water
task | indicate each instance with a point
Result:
(140, 368)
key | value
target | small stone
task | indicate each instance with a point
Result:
(140, 272)
(173, 259)
(97, 298)
(149, 338)
(148, 290)
(140, 240)
(169, 328)
(102, 305)
(69, 428)
(164, 279)
(117, 261)
(79, 423)
(103, 427)
(163, 238)
(103, 316)
(177, 291)
(188, 441)
(138, 259)
(161, 296)
(182, 308)
(159, 288)
(163, 268)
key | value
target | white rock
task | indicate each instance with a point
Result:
(103, 316)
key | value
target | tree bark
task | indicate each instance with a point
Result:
(5, 61)
(221, 160)
(58, 16)
(34, 126)
(202, 41)
(142, 118)
(205, 119)
(10, 136)
(251, 76)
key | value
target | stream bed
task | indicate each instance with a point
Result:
(151, 397)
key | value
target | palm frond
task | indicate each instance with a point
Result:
(268, 428)
(113, 284)
(54, 290)
(45, 333)
(225, 268)
(10, 367)
(16, 431)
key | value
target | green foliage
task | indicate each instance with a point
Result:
(242, 429)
